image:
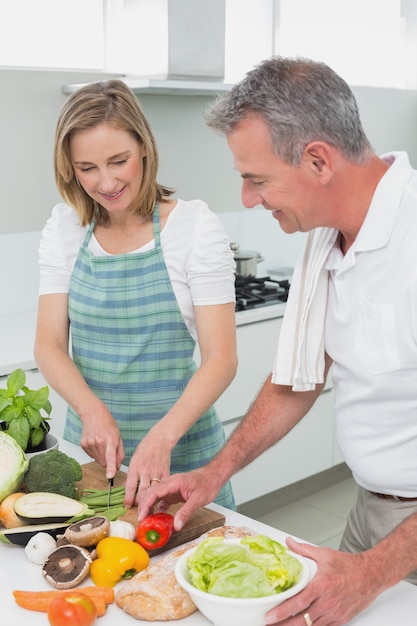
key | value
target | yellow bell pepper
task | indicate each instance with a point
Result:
(117, 558)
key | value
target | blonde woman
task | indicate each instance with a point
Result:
(130, 280)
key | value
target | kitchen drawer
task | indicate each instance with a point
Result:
(306, 450)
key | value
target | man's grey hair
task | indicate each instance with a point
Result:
(301, 101)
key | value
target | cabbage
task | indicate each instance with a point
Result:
(257, 566)
(13, 465)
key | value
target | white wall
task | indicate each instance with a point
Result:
(194, 160)
(389, 117)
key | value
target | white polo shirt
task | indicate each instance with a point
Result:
(371, 334)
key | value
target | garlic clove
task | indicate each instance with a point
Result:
(123, 529)
(39, 547)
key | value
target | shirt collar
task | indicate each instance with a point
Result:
(382, 213)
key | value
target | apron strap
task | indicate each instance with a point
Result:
(156, 226)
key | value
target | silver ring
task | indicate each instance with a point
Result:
(156, 480)
(308, 620)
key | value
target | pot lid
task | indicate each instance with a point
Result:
(243, 255)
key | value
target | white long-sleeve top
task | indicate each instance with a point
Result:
(195, 246)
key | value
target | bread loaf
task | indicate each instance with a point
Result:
(155, 595)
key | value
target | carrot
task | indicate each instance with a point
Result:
(100, 605)
(40, 600)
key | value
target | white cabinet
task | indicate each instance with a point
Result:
(306, 450)
(256, 344)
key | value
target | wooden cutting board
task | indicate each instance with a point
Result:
(201, 521)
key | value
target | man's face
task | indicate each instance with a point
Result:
(289, 192)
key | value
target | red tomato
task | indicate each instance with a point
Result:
(72, 609)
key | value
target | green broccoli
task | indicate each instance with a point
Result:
(54, 472)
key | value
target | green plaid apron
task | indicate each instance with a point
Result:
(133, 348)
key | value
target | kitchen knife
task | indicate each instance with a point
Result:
(110, 484)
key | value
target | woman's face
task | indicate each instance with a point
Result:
(108, 163)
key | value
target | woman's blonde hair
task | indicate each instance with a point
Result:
(110, 102)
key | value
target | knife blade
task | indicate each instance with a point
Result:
(110, 484)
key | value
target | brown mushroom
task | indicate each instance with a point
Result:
(88, 532)
(61, 540)
(67, 566)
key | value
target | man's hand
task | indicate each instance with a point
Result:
(343, 586)
(196, 489)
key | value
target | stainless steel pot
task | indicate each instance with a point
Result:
(246, 261)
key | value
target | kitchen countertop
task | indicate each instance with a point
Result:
(397, 605)
(259, 314)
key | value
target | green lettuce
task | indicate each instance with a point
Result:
(257, 566)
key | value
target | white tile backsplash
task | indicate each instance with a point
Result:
(231, 224)
(256, 229)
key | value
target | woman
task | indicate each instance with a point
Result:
(138, 277)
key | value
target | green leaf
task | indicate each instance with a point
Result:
(16, 381)
(36, 399)
(34, 417)
(19, 401)
(47, 407)
(4, 399)
(11, 413)
(19, 430)
(37, 435)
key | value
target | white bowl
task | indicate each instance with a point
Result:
(224, 611)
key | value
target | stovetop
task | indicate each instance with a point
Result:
(253, 293)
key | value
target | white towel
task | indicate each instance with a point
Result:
(299, 360)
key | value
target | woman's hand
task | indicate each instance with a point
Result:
(149, 465)
(101, 438)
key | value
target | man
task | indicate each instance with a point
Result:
(297, 141)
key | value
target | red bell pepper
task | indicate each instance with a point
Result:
(155, 530)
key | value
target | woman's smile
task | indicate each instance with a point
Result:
(113, 196)
(108, 163)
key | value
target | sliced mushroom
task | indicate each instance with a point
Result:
(67, 566)
(88, 532)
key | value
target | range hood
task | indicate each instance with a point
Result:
(166, 87)
(186, 55)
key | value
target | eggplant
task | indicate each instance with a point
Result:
(21, 535)
(40, 507)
